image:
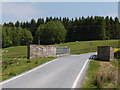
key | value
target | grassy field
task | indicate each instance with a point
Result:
(14, 59)
(84, 46)
(102, 74)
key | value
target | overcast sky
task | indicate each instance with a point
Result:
(24, 11)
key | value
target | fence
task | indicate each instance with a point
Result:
(62, 51)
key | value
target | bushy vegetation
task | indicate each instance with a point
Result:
(15, 36)
(117, 53)
(51, 30)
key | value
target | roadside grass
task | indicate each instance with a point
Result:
(102, 74)
(11, 67)
(91, 74)
(84, 46)
(14, 61)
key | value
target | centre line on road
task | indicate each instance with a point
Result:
(76, 80)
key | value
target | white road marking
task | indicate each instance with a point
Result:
(28, 71)
(76, 80)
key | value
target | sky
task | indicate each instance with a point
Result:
(25, 11)
(60, 0)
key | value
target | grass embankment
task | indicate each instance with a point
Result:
(14, 61)
(102, 74)
(84, 46)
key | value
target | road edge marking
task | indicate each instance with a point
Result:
(26, 72)
(76, 80)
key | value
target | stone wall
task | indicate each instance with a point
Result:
(106, 53)
(35, 51)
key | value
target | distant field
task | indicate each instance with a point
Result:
(84, 46)
(15, 58)
(15, 52)
(75, 48)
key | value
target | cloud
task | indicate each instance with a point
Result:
(20, 11)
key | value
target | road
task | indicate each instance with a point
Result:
(63, 72)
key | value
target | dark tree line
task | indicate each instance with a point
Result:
(78, 29)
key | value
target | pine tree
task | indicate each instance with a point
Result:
(17, 24)
(107, 28)
(116, 28)
(112, 31)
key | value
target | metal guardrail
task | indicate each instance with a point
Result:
(62, 51)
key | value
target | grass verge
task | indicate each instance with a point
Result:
(102, 74)
(14, 61)
(91, 74)
(12, 67)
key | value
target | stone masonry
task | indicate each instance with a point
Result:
(106, 53)
(41, 51)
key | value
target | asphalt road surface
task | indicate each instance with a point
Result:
(63, 72)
